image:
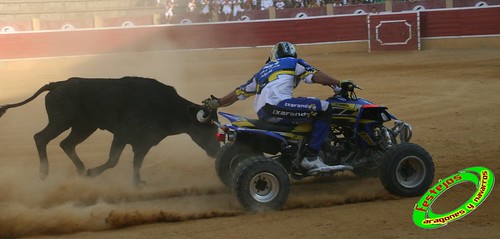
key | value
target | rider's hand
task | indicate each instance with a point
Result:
(337, 89)
(212, 103)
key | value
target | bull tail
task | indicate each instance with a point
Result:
(47, 87)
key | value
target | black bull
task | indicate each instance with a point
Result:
(137, 111)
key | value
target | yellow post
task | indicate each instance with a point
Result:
(272, 12)
(97, 22)
(329, 9)
(388, 5)
(449, 3)
(35, 22)
(156, 19)
(215, 16)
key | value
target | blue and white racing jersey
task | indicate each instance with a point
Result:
(276, 81)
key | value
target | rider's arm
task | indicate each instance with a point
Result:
(244, 91)
(235, 95)
(312, 75)
(228, 99)
(324, 79)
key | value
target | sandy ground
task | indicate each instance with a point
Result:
(450, 97)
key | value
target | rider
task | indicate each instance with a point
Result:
(274, 101)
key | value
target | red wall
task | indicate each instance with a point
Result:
(460, 22)
(58, 24)
(394, 32)
(17, 25)
(456, 22)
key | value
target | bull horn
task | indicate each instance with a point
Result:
(202, 116)
(3, 108)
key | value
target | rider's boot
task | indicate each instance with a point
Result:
(311, 162)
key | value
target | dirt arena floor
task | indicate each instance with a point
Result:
(450, 97)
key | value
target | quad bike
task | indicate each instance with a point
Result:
(259, 158)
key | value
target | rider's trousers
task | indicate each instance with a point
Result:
(294, 111)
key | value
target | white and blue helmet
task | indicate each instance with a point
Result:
(283, 49)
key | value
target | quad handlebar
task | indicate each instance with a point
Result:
(346, 90)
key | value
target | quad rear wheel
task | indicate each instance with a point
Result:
(261, 184)
(227, 159)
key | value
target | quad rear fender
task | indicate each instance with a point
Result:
(248, 131)
(253, 132)
(260, 141)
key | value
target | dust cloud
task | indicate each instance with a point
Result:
(66, 203)
(336, 190)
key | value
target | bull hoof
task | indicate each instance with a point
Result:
(42, 176)
(82, 172)
(92, 173)
(43, 173)
(139, 183)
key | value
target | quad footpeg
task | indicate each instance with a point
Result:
(329, 169)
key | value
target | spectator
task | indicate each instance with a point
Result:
(247, 5)
(312, 3)
(280, 4)
(227, 6)
(298, 3)
(255, 4)
(266, 4)
(205, 7)
(169, 10)
(216, 7)
(237, 7)
(191, 6)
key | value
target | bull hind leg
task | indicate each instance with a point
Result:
(140, 152)
(114, 155)
(77, 136)
(42, 139)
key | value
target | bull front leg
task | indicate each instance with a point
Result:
(114, 155)
(78, 135)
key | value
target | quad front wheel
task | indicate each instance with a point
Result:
(261, 184)
(407, 170)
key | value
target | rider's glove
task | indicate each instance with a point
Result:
(346, 85)
(212, 103)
